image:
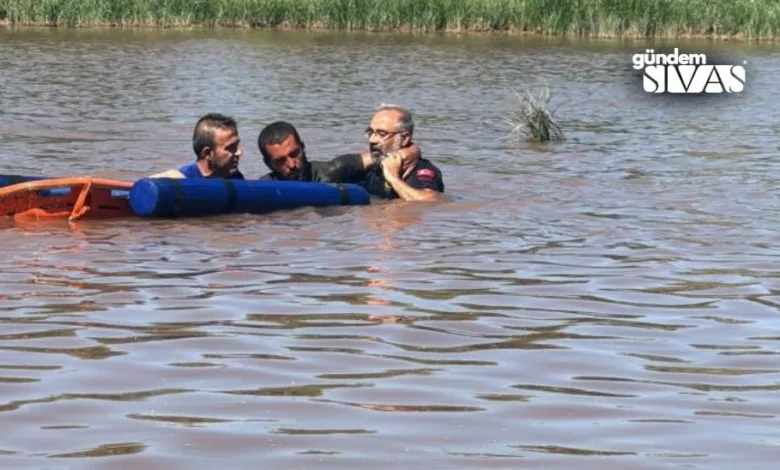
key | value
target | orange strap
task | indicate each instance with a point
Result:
(79, 209)
(37, 212)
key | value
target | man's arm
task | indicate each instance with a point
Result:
(348, 168)
(408, 193)
(352, 167)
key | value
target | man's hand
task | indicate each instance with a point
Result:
(391, 165)
(169, 174)
(409, 157)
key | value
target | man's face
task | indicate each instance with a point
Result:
(223, 158)
(384, 134)
(287, 159)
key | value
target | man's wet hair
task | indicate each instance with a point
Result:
(407, 123)
(203, 135)
(276, 133)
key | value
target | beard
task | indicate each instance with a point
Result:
(375, 150)
(301, 173)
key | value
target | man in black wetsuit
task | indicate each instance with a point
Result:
(415, 179)
(284, 153)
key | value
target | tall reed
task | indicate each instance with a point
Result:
(638, 18)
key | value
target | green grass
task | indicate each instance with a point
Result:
(634, 18)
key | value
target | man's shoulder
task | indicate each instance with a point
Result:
(318, 171)
(267, 177)
(426, 175)
(318, 165)
(426, 169)
(190, 170)
(425, 163)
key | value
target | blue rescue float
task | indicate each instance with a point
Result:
(8, 180)
(192, 197)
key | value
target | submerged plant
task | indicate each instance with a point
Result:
(534, 121)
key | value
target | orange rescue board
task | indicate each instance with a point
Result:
(74, 198)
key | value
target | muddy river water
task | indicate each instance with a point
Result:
(610, 301)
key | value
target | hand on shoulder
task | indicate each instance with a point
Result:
(169, 174)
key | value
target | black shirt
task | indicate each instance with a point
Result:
(346, 168)
(424, 176)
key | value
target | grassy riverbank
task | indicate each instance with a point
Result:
(603, 18)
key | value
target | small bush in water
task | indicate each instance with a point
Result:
(534, 121)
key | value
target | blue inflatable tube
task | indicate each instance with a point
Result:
(167, 197)
(8, 180)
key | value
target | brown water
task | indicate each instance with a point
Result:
(609, 302)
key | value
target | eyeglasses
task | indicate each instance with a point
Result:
(380, 133)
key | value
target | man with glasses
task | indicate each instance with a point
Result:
(284, 153)
(414, 179)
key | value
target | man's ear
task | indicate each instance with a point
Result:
(206, 153)
(406, 139)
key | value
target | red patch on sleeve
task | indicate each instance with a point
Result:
(426, 174)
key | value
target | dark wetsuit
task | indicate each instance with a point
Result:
(191, 170)
(346, 168)
(424, 176)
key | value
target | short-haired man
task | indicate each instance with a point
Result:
(284, 153)
(217, 148)
(418, 179)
